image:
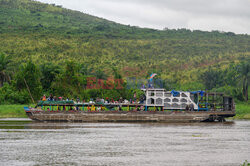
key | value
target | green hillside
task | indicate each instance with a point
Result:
(54, 38)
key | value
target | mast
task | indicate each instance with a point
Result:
(29, 90)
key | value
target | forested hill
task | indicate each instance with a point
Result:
(31, 16)
(51, 35)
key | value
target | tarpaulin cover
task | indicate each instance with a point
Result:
(175, 93)
(70, 102)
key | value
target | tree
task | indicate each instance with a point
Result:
(212, 78)
(30, 74)
(84, 69)
(70, 82)
(100, 74)
(244, 72)
(4, 75)
(116, 74)
(49, 73)
(231, 75)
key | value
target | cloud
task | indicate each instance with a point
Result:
(222, 15)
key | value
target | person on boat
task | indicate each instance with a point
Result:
(120, 100)
(191, 107)
(135, 97)
(93, 108)
(77, 100)
(142, 99)
(51, 97)
(48, 109)
(107, 100)
(75, 108)
(97, 100)
(143, 86)
(88, 108)
(141, 108)
(44, 98)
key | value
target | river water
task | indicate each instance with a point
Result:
(24, 142)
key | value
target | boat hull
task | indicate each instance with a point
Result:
(131, 116)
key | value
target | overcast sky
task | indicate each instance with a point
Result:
(222, 15)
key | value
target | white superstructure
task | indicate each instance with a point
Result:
(168, 100)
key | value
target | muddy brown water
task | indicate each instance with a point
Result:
(23, 142)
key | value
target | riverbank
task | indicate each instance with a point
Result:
(242, 111)
(17, 111)
(12, 111)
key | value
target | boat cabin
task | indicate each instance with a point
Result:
(185, 100)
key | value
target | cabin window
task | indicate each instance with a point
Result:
(167, 100)
(167, 94)
(150, 101)
(159, 101)
(175, 100)
(159, 94)
(151, 93)
(183, 100)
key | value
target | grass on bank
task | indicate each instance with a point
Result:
(242, 110)
(12, 111)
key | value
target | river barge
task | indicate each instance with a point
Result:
(158, 105)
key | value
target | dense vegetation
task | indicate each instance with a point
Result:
(48, 49)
